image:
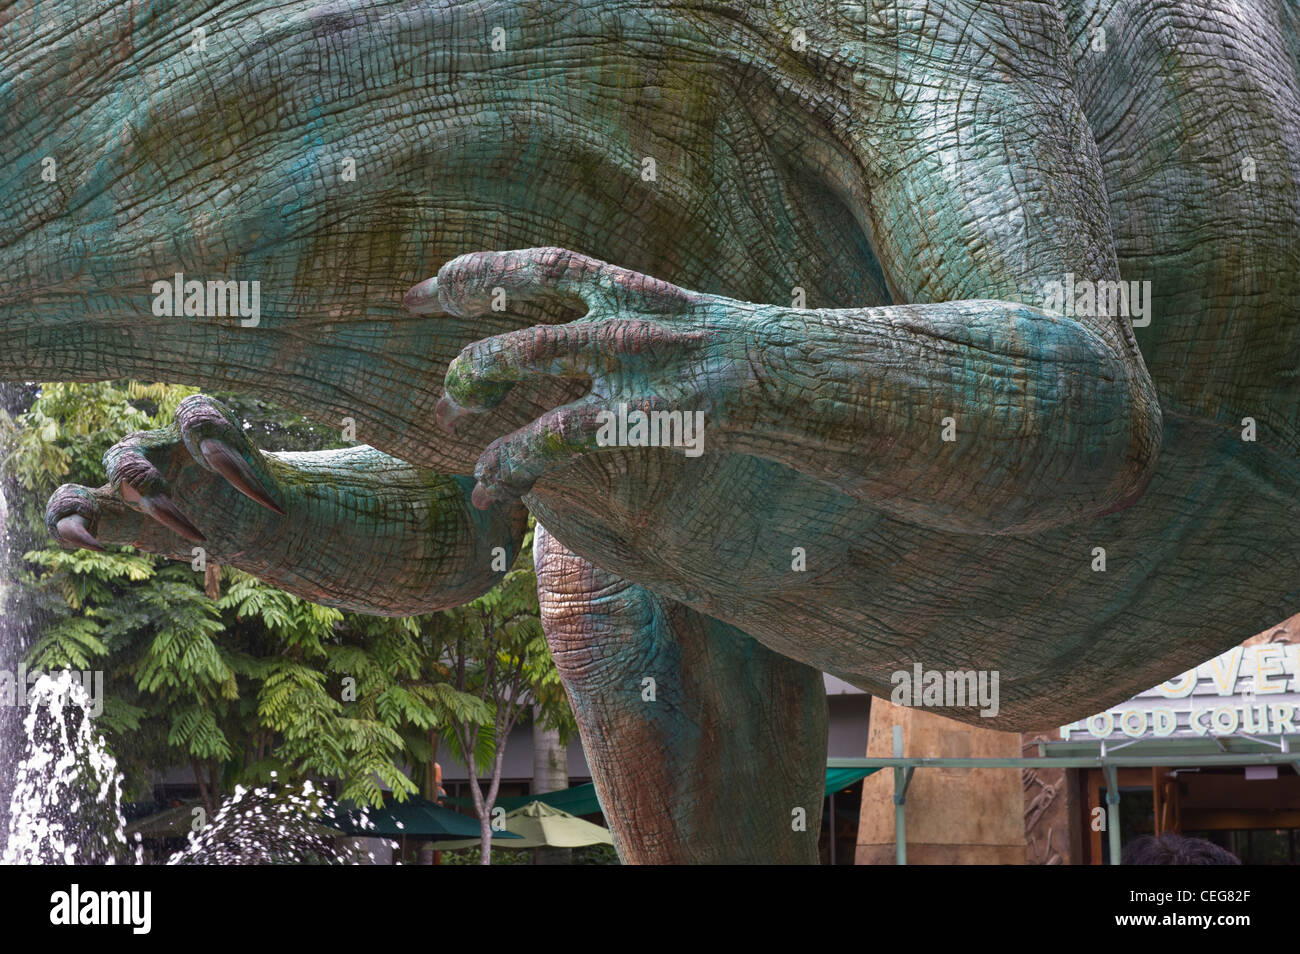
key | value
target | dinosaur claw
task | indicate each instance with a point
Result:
(486, 496)
(73, 529)
(482, 498)
(422, 299)
(236, 470)
(447, 413)
(162, 509)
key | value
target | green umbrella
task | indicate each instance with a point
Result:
(416, 818)
(542, 826)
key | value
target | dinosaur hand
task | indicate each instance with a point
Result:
(351, 528)
(197, 478)
(675, 356)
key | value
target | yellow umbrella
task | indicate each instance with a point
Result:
(542, 826)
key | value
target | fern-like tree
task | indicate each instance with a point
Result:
(496, 651)
(244, 682)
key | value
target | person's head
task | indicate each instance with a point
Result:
(1172, 849)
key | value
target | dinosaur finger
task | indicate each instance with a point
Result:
(482, 282)
(216, 441)
(482, 374)
(607, 352)
(236, 470)
(422, 298)
(133, 475)
(161, 508)
(71, 515)
(73, 530)
(91, 519)
(512, 464)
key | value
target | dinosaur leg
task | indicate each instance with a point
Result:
(351, 528)
(705, 746)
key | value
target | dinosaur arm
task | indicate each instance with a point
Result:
(965, 406)
(970, 416)
(981, 191)
(976, 415)
(351, 528)
(960, 405)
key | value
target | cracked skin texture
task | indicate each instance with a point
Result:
(921, 170)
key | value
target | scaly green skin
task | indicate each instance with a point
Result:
(920, 169)
(426, 546)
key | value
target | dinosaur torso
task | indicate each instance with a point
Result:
(756, 190)
(1206, 558)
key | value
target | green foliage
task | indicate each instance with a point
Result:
(194, 728)
(256, 684)
(586, 855)
(497, 652)
(182, 657)
(596, 855)
(500, 634)
(470, 856)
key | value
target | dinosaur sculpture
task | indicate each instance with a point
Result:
(833, 228)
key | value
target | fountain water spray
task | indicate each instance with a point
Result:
(66, 802)
(267, 826)
(60, 788)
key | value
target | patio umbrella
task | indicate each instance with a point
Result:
(542, 826)
(416, 818)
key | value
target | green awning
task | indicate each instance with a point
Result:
(581, 799)
(838, 779)
(415, 818)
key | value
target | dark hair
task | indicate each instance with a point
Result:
(1171, 849)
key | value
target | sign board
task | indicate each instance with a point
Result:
(1247, 691)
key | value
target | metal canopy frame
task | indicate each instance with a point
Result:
(1238, 750)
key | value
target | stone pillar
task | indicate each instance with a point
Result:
(954, 816)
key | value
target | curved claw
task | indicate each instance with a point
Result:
(162, 509)
(483, 499)
(447, 413)
(236, 470)
(73, 529)
(422, 299)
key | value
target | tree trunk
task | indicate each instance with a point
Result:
(483, 808)
(485, 839)
(212, 581)
(204, 792)
(550, 774)
(432, 780)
